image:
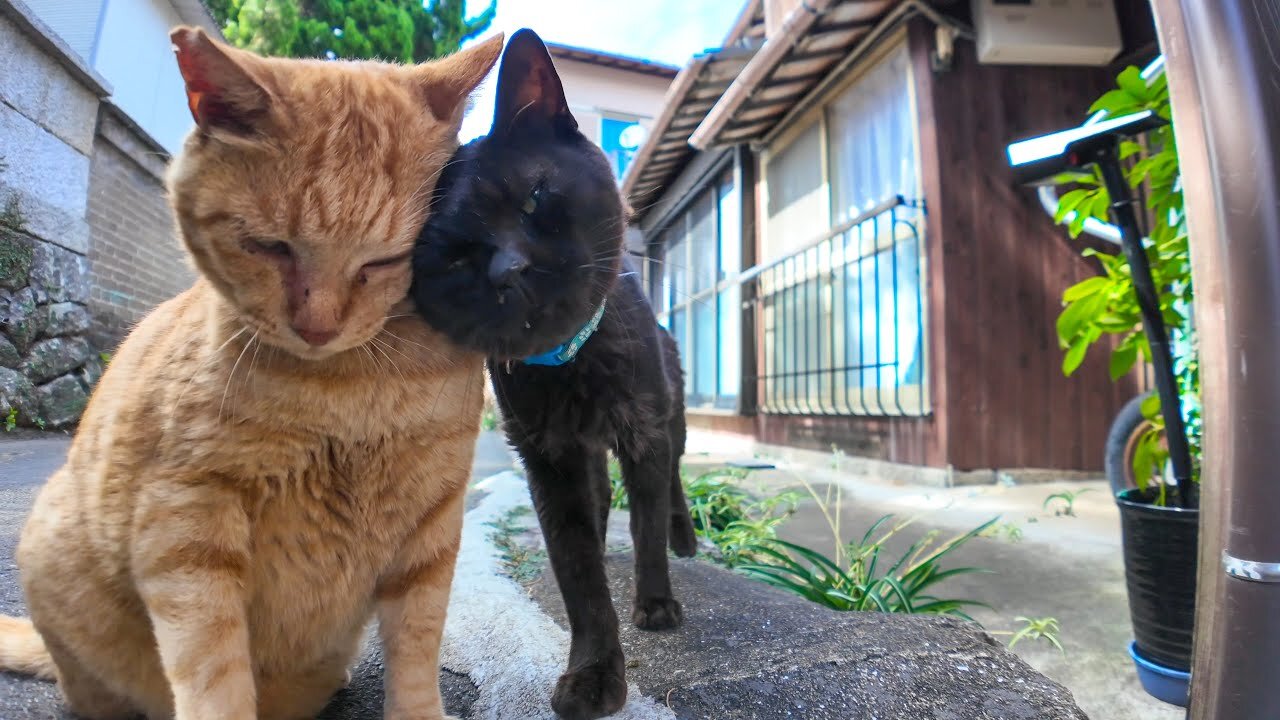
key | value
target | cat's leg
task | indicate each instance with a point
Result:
(602, 492)
(594, 684)
(683, 539)
(413, 598)
(648, 481)
(191, 559)
(86, 695)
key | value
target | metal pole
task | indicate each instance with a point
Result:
(1221, 66)
(1144, 286)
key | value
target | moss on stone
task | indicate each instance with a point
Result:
(16, 251)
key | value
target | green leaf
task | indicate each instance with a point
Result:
(1075, 355)
(1151, 406)
(1122, 360)
(1131, 82)
(1112, 101)
(1068, 202)
(1085, 287)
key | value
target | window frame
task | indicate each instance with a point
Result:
(726, 172)
(773, 247)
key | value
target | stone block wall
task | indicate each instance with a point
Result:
(135, 259)
(49, 103)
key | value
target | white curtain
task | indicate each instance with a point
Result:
(871, 140)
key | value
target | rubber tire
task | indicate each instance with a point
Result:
(1127, 421)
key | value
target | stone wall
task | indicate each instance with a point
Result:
(49, 103)
(135, 259)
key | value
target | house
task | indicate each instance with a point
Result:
(833, 236)
(614, 98)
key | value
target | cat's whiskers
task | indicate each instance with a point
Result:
(397, 350)
(432, 351)
(379, 345)
(232, 374)
(213, 357)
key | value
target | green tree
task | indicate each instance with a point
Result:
(402, 30)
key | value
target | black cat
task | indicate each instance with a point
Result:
(523, 259)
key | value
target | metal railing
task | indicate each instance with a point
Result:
(840, 323)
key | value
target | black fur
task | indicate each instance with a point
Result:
(524, 242)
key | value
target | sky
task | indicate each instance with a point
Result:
(668, 31)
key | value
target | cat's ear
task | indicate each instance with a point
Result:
(222, 92)
(448, 83)
(530, 93)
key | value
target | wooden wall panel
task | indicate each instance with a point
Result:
(1003, 268)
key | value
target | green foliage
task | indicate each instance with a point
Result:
(723, 513)
(1106, 305)
(1064, 502)
(400, 30)
(519, 563)
(618, 498)
(1037, 629)
(1010, 531)
(732, 519)
(864, 582)
(11, 420)
(489, 419)
(105, 357)
(12, 220)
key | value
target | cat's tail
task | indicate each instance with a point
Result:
(22, 650)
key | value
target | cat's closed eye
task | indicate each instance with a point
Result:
(387, 262)
(274, 248)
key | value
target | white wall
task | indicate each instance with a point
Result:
(597, 90)
(135, 56)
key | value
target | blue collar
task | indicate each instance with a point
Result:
(566, 352)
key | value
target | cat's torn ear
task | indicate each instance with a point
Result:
(448, 82)
(530, 93)
(222, 93)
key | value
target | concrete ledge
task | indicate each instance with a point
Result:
(44, 37)
(749, 651)
(127, 136)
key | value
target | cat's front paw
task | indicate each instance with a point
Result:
(592, 692)
(657, 613)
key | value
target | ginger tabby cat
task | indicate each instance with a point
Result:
(280, 453)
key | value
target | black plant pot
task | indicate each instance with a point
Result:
(1160, 549)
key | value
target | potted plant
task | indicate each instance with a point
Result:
(1159, 519)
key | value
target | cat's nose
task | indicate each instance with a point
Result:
(316, 336)
(506, 267)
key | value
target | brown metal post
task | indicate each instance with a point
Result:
(1222, 70)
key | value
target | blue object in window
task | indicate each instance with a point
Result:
(620, 139)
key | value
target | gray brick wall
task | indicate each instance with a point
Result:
(135, 259)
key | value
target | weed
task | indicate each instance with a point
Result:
(39, 422)
(1065, 502)
(723, 513)
(618, 491)
(519, 563)
(1010, 531)
(105, 357)
(731, 518)
(1038, 629)
(837, 457)
(863, 582)
(11, 420)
